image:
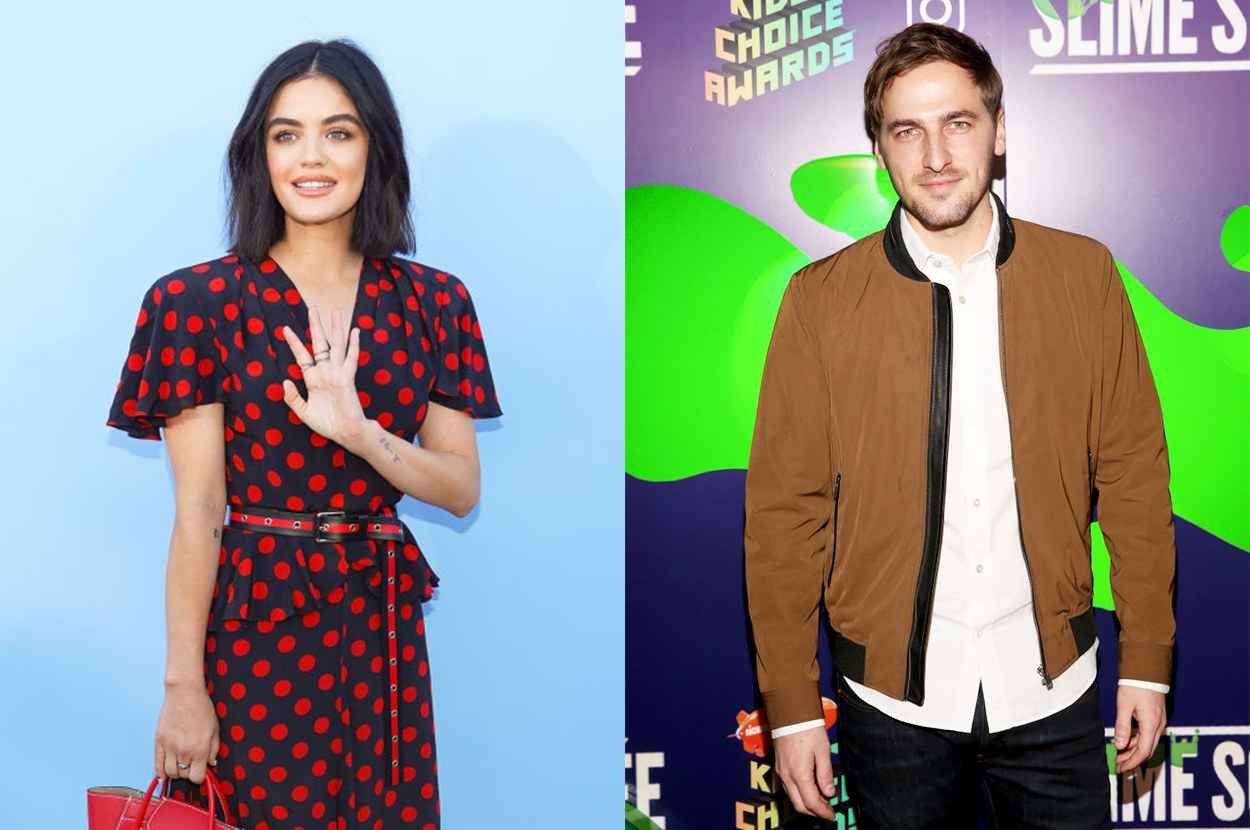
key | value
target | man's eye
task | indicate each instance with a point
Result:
(907, 133)
(960, 125)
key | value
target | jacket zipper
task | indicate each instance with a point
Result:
(1028, 569)
(837, 485)
(935, 495)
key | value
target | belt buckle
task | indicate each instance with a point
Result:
(323, 517)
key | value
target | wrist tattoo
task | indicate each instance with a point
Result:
(387, 446)
(216, 533)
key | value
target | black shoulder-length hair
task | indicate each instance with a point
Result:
(256, 221)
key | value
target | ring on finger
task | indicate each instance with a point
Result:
(183, 767)
(308, 365)
(320, 356)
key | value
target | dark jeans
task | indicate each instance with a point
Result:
(1046, 775)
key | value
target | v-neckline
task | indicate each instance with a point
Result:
(283, 283)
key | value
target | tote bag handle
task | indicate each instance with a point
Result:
(214, 798)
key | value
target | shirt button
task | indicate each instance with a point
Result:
(980, 568)
(963, 300)
(979, 632)
(976, 502)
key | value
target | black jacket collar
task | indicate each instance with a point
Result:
(896, 250)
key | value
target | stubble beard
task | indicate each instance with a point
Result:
(942, 213)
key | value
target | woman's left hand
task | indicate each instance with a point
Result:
(332, 408)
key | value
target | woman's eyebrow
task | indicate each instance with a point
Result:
(332, 119)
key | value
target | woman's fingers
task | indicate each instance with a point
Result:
(302, 357)
(170, 768)
(320, 342)
(353, 352)
(336, 336)
(293, 399)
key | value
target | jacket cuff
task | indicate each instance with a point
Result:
(792, 705)
(1146, 661)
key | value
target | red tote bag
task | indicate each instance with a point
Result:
(125, 808)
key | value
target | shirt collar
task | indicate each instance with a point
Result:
(920, 253)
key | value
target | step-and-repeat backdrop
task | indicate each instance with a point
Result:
(1127, 120)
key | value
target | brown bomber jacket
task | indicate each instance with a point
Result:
(847, 472)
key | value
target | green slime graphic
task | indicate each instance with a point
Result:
(703, 283)
(1235, 238)
(635, 819)
(1076, 8)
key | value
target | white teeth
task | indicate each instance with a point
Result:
(314, 184)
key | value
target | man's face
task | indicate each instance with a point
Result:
(938, 143)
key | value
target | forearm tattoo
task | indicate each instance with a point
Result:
(387, 446)
(216, 533)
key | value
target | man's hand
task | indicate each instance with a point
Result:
(1148, 708)
(802, 760)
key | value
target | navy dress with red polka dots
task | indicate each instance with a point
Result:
(315, 656)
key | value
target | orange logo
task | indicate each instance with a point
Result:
(753, 730)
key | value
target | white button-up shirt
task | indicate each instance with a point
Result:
(983, 633)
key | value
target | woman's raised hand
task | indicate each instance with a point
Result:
(332, 408)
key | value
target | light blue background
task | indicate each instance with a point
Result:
(115, 121)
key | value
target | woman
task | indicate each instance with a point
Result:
(289, 380)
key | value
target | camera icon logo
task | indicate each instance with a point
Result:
(943, 12)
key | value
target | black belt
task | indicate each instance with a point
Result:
(322, 526)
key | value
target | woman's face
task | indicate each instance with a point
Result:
(317, 149)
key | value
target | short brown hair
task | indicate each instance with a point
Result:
(926, 43)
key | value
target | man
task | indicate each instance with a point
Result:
(942, 405)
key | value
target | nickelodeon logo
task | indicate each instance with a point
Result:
(753, 730)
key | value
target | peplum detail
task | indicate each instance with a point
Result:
(266, 578)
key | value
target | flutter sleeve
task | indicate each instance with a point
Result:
(462, 380)
(175, 361)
